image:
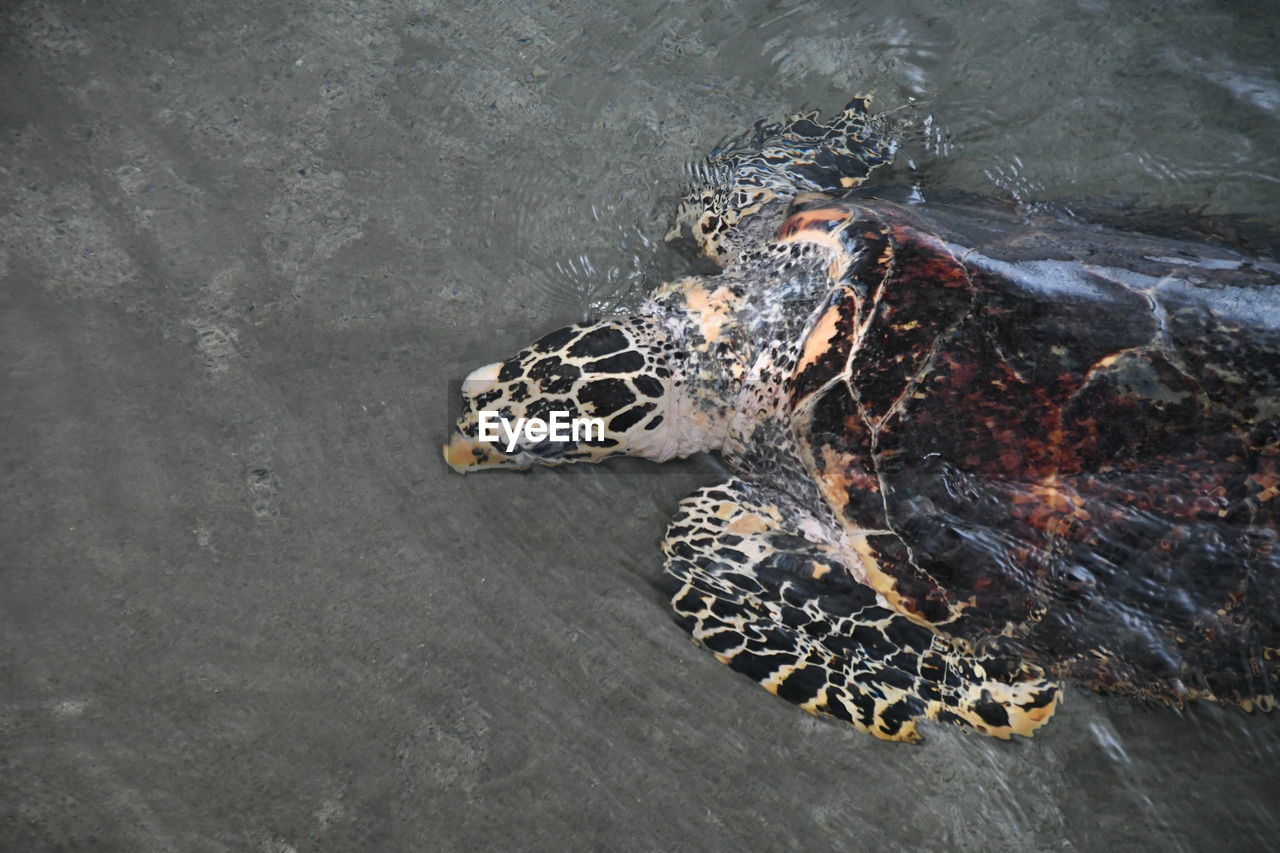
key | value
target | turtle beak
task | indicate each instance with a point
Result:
(466, 454)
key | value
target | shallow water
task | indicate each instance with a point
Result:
(246, 247)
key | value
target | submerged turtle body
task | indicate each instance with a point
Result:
(1071, 435)
(974, 454)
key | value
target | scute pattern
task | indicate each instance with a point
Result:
(769, 166)
(1077, 456)
(755, 587)
(593, 370)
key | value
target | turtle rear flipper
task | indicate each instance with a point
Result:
(774, 601)
(767, 167)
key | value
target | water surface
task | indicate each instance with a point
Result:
(245, 248)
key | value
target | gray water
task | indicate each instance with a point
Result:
(245, 247)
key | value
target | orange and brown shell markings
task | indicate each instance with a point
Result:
(1077, 460)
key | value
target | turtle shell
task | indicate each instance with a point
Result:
(1071, 433)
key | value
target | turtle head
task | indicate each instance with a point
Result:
(583, 393)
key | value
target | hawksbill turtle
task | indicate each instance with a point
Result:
(975, 453)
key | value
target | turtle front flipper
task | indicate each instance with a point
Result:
(761, 172)
(758, 585)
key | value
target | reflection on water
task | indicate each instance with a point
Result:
(1022, 102)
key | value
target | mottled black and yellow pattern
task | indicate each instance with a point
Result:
(974, 454)
(615, 371)
(745, 184)
(775, 602)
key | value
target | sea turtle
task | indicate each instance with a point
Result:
(976, 453)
